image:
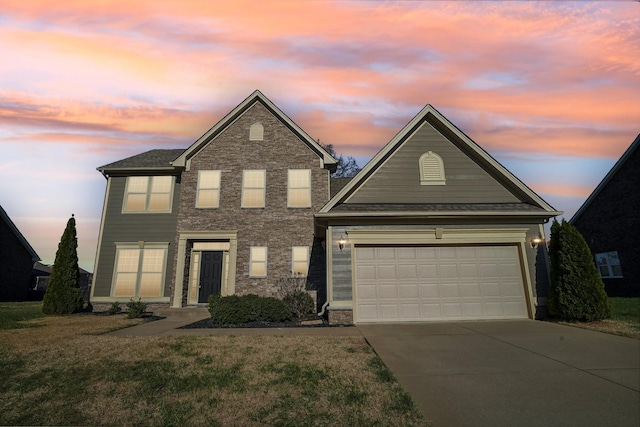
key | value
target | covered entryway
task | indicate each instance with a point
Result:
(416, 283)
(210, 275)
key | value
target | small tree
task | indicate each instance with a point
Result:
(576, 292)
(63, 295)
(347, 166)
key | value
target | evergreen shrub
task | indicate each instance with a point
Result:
(63, 294)
(576, 292)
(234, 309)
(135, 309)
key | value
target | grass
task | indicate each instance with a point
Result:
(15, 315)
(67, 371)
(624, 321)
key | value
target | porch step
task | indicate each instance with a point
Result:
(185, 312)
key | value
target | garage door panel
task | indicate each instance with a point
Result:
(438, 283)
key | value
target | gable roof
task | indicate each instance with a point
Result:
(621, 161)
(156, 160)
(533, 204)
(18, 234)
(327, 160)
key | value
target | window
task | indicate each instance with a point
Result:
(208, 195)
(300, 260)
(139, 271)
(258, 261)
(256, 132)
(253, 188)
(148, 194)
(609, 264)
(431, 169)
(299, 188)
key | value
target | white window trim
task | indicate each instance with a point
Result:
(141, 246)
(609, 266)
(198, 188)
(252, 261)
(148, 196)
(430, 180)
(289, 188)
(294, 260)
(263, 188)
(256, 132)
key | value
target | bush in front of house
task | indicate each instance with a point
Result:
(300, 303)
(63, 294)
(135, 309)
(576, 292)
(234, 309)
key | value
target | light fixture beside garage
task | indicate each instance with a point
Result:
(342, 241)
(535, 241)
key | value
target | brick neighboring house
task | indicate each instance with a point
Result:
(609, 220)
(16, 261)
(432, 228)
(231, 214)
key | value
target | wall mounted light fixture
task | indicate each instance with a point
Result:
(535, 241)
(342, 242)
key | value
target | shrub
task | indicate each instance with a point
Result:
(135, 309)
(115, 308)
(576, 292)
(300, 303)
(63, 295)
(236, 309)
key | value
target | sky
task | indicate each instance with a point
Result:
(550, 89)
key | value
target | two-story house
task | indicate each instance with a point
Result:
(432, 228)
(231, 214)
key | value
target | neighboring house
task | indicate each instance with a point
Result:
(433, 228)
(41, 273)
(609, 220)
(16, 261)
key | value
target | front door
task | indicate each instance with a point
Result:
(210, 275)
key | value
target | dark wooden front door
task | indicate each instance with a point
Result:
(210, 275)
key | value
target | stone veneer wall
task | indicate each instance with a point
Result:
(274, 226)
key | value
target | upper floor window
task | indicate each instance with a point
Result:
(253, 188)
(148, 194)
(609, 264)
(300, 260)
(431, 169)
(256, 132)
(258, 261)
(299, 188)
(139, 271)
(208, 193)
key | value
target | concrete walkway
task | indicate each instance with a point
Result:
(513, 373)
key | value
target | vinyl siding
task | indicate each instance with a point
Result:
(132, 227)
(398, 179)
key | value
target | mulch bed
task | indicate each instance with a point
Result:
(309, 322)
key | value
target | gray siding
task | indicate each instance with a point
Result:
(398, 179)
(341, 267)
(132, 227)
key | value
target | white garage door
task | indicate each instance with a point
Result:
(438, 283)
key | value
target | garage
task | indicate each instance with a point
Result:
(438, 283)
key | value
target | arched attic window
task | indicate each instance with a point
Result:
(431, 169)
(256, 132)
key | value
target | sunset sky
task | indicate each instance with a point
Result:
(550, 89)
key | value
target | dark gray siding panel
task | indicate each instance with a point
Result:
(341, 267)
(119, 227)
(398, 179)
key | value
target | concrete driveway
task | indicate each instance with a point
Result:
(513, 373)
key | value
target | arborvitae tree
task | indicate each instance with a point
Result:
(63, 295)
(576, 292)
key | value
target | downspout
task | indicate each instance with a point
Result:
(324, 307)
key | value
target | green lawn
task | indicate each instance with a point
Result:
(624, 321)
(68, 371)
(13, 315)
